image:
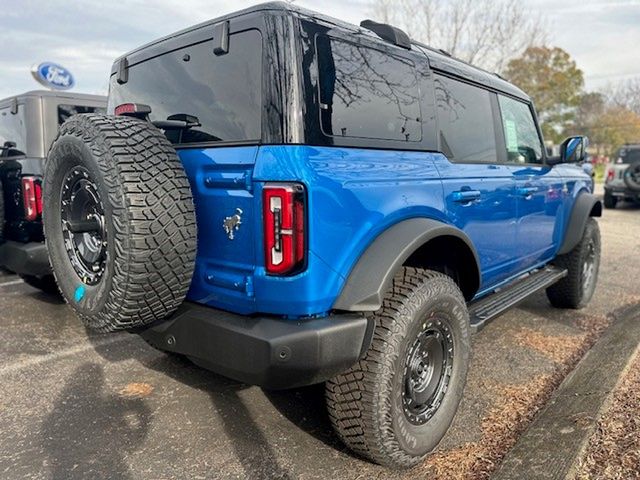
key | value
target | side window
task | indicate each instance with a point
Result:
(465, 121)
(367, 93)
(520, 132)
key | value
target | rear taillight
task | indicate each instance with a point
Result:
(284, 212)
(610, 175)
(138, 110)
(32, 198)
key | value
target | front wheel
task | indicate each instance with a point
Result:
(582, 264)
(395, 405)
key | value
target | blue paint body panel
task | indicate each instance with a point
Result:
(516, 223)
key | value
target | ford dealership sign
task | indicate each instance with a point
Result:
(52, 75)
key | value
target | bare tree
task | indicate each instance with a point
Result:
(626, 94)
(487, 33)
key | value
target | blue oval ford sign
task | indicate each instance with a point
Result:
(53, 76)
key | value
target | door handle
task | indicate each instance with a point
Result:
(465, 196)
(526, 191)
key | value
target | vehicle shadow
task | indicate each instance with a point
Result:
(89, 432)
(253, 450)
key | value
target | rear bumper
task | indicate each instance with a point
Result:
(270, 352)
(25, 258)
(622, 192)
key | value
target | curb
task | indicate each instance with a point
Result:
(550, 446)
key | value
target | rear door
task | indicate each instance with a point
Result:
(478, 187)
(539, 188)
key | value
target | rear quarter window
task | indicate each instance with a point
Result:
(222, 91)
(366, 92)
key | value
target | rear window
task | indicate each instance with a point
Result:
(366, 92)
(66, 111)
(13, 129)
(629, 155)
(223, 92)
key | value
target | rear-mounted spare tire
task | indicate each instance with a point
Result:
(119, 221)
(632, 176)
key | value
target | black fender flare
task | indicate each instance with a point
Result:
(373, 273)
(586, 205)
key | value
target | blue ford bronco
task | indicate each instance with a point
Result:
(287, 199)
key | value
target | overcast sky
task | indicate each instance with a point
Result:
(86, 35)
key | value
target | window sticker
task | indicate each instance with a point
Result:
(511, 132)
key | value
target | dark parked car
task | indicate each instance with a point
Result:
(336, 203)
(622, 180)
(28, 124)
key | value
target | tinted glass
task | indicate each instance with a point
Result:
(367, 93)
(223, 92)
(465, 121)
(629, 155)
(520, 132)
(66, 111)
(12, 129)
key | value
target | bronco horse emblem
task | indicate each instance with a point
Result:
(232, 224)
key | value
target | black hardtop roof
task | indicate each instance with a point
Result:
(439, 60)
(56, 94)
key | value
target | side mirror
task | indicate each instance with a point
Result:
(574, 150)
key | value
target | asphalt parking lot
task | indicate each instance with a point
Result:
(80, 405)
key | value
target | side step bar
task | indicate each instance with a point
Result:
(487, 308)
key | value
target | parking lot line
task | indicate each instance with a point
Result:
(55, 356)
(11, 282)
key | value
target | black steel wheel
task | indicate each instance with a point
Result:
(83, 225)
(395, 405)
(427, 371)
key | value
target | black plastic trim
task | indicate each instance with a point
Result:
(372, 275)
(25, 258)
(586, 205)
(272, 352)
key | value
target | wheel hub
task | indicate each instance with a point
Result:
(83, 230)
(589, 266)
(427, 371)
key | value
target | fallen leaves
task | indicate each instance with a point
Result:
(136, 390)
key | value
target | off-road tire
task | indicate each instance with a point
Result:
(149, 221)
(46, 283)
(571, 291)
(632, 177)
(366, 403)
(610, 201)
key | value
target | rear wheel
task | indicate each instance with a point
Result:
(610, 201)
(395, 404)
(119, 221)
(582, 264)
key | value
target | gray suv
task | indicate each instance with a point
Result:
(28, 124)
(622, 181)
